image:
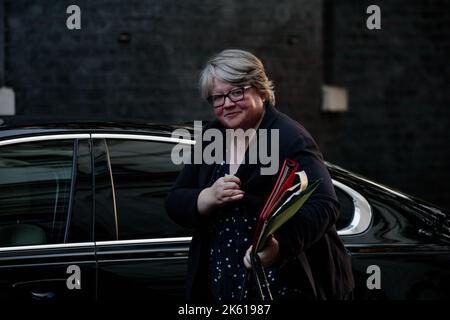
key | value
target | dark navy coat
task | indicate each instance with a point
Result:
(313, 257)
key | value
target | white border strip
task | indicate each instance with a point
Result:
(55, 136)
(48, 246)
(140, 137)
(140, 241)
(99, 243)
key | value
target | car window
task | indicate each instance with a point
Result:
(143, 174)
(35, 180)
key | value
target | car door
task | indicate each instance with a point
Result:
(395, 246)
(141, 252)
(46, 247)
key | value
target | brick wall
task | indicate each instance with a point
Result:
(396, 130)
(2, 40)
(153, 75)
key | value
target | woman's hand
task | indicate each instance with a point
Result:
(223, 191)
(268, 256)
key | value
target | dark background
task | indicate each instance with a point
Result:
(141, 60)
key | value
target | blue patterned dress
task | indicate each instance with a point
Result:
(231, 235)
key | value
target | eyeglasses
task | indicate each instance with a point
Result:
(235, 95)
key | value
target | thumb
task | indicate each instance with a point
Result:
(247, 259)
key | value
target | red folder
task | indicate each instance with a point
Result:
(285, 180)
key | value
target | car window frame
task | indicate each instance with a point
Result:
(140, 137)
(50, 137)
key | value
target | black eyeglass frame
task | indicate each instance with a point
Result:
(211, 101)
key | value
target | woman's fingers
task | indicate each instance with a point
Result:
(234, 198)
(227, 189)
(231, 178)
(230, 192)
(268, 256)
(231, 195)
(230, 185)
(271, 252)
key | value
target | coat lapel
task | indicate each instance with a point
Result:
(247, 172)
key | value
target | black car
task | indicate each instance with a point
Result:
(82, 217)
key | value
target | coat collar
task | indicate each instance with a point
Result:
(269, 117)
(247, 172)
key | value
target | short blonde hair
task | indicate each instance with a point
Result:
(239, 68)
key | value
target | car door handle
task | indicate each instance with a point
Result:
(40, 290)
(42, 295)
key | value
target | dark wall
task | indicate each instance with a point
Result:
(2, 41)
(397, 127)
(141, 59)
(154, 74)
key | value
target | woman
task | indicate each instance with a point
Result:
(304, 259)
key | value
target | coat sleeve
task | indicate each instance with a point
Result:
(181, 202)
(320, 211)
